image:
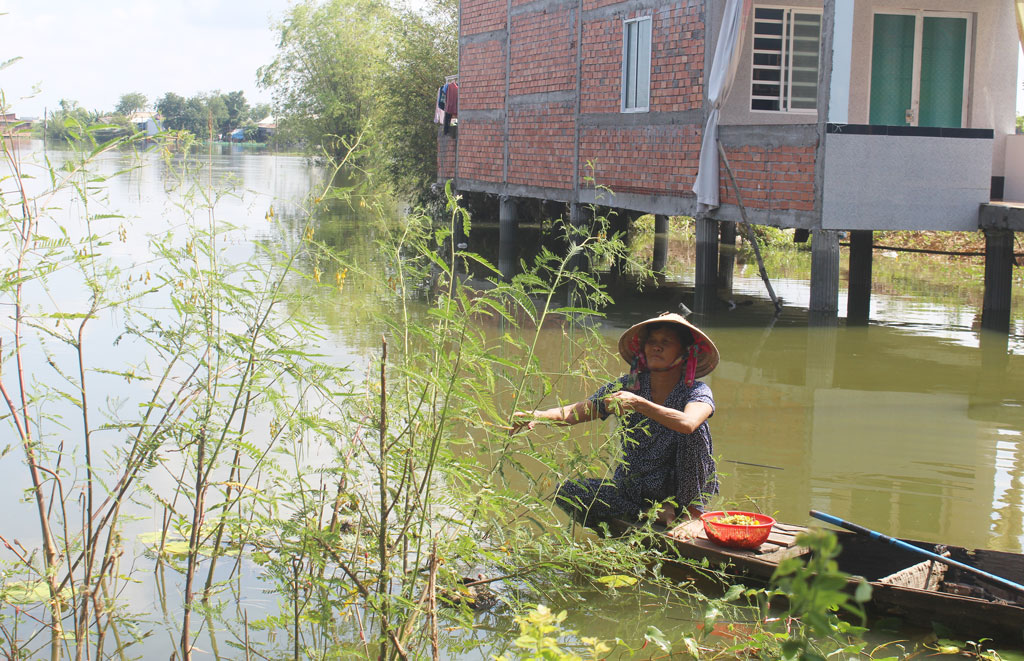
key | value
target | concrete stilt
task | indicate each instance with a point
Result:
(824, 308)
(995, 310)
(858, 300)
(660, 257)
(726, 258)
(508, 245)
(706, 276)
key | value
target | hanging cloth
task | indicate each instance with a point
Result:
(723, 72)
(452, 102)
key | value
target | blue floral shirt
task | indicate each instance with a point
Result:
(657, 462)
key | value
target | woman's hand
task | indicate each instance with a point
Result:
(623, 400)
(524, 420)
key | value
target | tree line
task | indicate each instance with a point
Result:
(215, 113)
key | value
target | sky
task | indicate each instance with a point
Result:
(93, 51)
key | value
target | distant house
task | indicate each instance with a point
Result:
(9, 124)
(266, 128)
(833, 115)
(150, 123)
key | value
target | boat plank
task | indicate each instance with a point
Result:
(903, 585)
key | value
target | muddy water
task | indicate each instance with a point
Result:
(913, 425)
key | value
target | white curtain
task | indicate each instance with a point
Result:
(723, 71)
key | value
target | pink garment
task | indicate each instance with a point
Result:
(438, 115)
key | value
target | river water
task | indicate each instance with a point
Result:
(913, 425)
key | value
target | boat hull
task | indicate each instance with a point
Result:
(918, 591)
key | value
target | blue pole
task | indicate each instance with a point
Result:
(899, 543)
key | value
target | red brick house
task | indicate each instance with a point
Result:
(842, 116)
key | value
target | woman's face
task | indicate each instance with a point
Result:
(662, 348)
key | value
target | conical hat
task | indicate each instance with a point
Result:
(707, 355)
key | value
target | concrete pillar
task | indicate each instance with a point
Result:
(508, 245)
(842, 62)
(660, 257)
(858, 299)
(824, 278)
(706, 276)
(726, 258)
(995, 309)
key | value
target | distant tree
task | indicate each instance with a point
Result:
(1020, 123)
(69, 122)
(321, 80)
(205, 113)
(237, 108)
(420, 53)
(131, 102)
(260, 111)
(172, 108)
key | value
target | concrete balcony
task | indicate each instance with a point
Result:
(905, 177)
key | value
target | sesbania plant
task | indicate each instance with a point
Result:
(431, 498)
(171, 379)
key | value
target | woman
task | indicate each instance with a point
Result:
(666, 443)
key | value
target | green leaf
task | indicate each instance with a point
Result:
(863, 592)
(28, 592)
(655, 635)
(617, 580)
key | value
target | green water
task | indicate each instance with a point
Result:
(912, 425)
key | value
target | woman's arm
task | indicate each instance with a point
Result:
(563, 415)
(693, 415)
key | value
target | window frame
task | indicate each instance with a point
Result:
(785, 68)
(624, 81)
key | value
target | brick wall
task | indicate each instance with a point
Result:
(677, 58)
(482, 15)
(647, 159)
(543, 52)
(482, 78)
(445, 157)
(481, 150)
(642, 153)
(541, 145)
(601, 66)
(773, 179)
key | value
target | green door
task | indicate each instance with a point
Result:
(943, 44)
(930, 94)
(892, 69)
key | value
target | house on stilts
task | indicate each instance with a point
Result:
(827, 116)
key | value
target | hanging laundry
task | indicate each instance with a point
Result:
(442, 93)
(452, 99)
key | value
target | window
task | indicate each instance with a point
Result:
(784, 75)
(636, 64)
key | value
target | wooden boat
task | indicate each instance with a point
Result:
(908, 586)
